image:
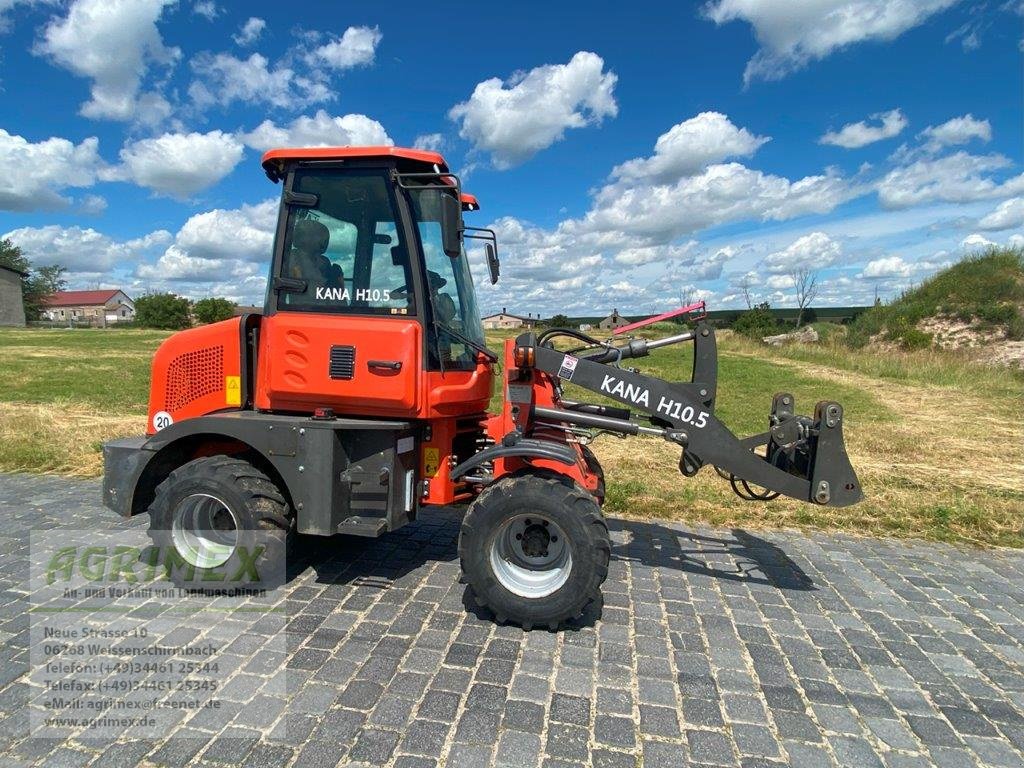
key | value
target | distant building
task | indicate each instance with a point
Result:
(247, 309)
(506, 319)
(12, 305)
(103, 307)
(613, 321)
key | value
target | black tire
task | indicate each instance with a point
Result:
(594, 466)
(565, 505)
(260, 515)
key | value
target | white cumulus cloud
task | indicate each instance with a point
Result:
(356, 47)
(976, 242)
(690, 146)
(81, 249)
(177, 265)
(884, 125)
(221, 252)
(812, 251)
(320, 130)
(435, 142)
(245, 233)
(112, 43)
(957, 178)
(887, 267)
(224, 79)
(793, 33)
(1008, 214)
(959, 130)
(300, 78)
(208, 9)
(514, 119)
(719, 194)
(180, 164)
(36, 172)
(250, 31)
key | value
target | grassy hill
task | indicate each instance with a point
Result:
(985, 292)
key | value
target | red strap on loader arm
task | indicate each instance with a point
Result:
(665, 316)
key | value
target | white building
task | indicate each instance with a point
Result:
(506, 319)
(103, 307)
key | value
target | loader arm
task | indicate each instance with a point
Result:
(805, 457)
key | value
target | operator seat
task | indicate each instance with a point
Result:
(310, 239)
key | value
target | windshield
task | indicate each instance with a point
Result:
(451, 287)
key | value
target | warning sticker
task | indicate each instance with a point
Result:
(431, 461)
(233, 390)
(568, 367)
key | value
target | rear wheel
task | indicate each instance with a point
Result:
(534, 550)
(220, 524)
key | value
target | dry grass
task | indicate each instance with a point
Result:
(937, 443)
(947, 467)
(61, 437)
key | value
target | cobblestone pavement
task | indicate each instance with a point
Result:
(714, 647)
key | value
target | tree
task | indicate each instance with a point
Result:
(745, 284)
(213, 310)
(36, 282)
(558, 321)
(805, 284)
(162, 310)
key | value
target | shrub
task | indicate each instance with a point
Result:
(756, 323)
(1015, 328)
(912, 338)
(162, 310)
(213, 310)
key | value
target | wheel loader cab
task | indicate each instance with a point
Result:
(366, 314)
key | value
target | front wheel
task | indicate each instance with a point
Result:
(534, 550)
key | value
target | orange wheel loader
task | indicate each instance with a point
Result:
(360, 395)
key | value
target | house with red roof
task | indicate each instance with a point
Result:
(102, 307)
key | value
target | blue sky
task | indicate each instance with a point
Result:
(627, 159)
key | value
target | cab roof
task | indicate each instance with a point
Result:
(275, 159)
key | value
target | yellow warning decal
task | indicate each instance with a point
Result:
(431, 461)
(233, 390)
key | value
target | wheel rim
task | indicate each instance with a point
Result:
(204, 530)
(530, 556)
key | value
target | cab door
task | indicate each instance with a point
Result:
(343, 329)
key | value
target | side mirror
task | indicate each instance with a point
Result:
(451, 225)
(493, 265)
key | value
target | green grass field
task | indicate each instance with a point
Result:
(936, 439)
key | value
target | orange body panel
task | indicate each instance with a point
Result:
(293, 373)
(294, 358)
(195, 372)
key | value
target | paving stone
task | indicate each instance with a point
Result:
(425, 737)
(569, 709)
(524, 716)
(659, 721)
(615, 731)
(713, 647)
(518, 750)
(710, 747)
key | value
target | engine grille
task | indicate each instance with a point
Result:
(343, 362)
(193, 375)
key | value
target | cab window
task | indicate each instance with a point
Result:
(346, 249)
